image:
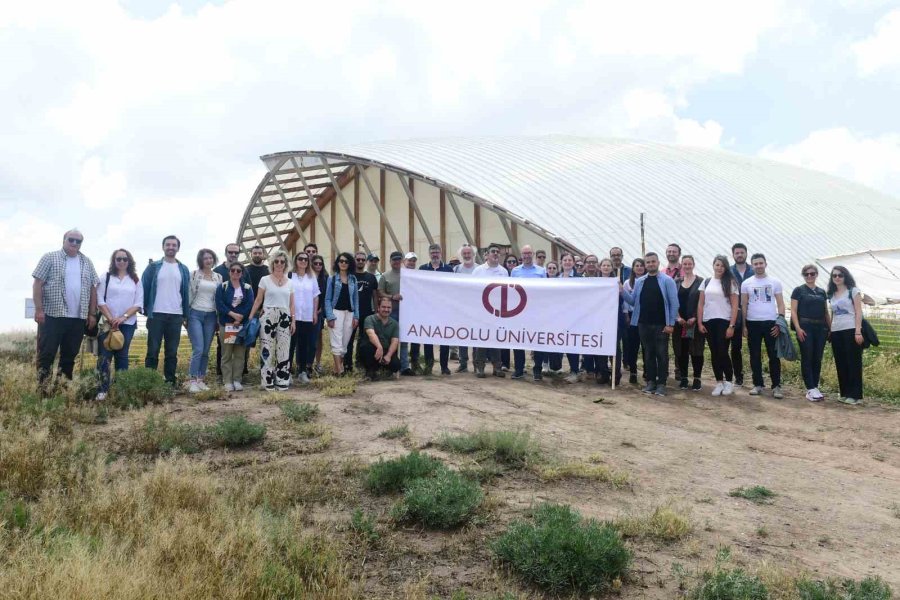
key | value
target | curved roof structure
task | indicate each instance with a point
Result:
(587, 194)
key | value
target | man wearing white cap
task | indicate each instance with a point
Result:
(408, 368)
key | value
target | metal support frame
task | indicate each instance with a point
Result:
(380, 208)
(412, 202)
(462, 223)
(312, 201)
(340, 195)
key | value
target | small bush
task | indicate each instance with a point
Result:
(398, 432)
(870, 588)
(159, 435)
(334, 387)
(363, 525)
(757, 493)
(443, 501)
(139, 387)
(729, 584)
(516, 448)
(236, 431)
(300, 413)
(14, 514)
(389, 476)
(664, 523)
(560, 552)
(215, 392)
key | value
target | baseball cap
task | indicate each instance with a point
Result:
(396, 255)
(372, 257)
(411, 255)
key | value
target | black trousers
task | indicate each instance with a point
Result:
(848, 362)
(811, 351)
(656, 352)
(631, 346)
(355, 337)
(519, 361)
(444, 354)
(718, 348)
(62, 335)
(163, 328)
(735, 345)
(603, 363)
(757, 332)
(367, 358)
(684, 354)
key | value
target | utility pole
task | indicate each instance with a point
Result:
(643, 244)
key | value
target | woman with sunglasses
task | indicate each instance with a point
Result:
(510, 262)
(846, 334)
(120, 296)
(276, 325)
(234, 299)
(631, 345)
(201, 323)
(306, 315)
(321, 275)
(811, 322)
(341, 308)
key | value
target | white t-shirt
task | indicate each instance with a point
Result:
(238, 295)
(73, 287)
(486, 271)
(462, 268)
(276, 296)
(843, 312)
(761, 291)
(715, 304)
(121, 295)
(168, 289)
(306, 290)
(204, 299)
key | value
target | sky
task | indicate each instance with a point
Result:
(135, 119)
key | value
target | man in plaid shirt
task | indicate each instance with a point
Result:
(65, 298)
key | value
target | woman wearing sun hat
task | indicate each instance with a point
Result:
(119, 296)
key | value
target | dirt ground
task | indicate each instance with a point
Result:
(835, 470)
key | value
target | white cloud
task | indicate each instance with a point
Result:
(101, 188)
(874, 161)
(881, 50)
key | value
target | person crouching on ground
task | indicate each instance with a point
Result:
(378, 347)
(234, 299)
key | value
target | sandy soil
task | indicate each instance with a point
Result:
(835, 469)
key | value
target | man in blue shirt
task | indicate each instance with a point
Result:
(436, 264)
(528, 270)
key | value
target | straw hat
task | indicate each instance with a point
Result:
(114, 341)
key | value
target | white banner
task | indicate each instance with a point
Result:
(578, 315)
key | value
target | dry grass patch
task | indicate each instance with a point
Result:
(665, 523)
(333, 387)
(318, 480)
(580, 470)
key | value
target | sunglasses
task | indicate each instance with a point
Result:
(342, 261)
(810, 274)
(75, 241)
(318, 264)
(237, 270)
(579, 265)
(279, 261)
(837, 275)
(121, 259)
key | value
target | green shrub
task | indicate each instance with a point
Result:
(389, 476)
(870, 588)
(729, 584)
(14, 514)
(515, 448)
(561, 552)
(443, 501)
(300, 413)
(757, 493)
(236, 431)
(395, 433)
(139, 387)
(363, 525)
(159, 435)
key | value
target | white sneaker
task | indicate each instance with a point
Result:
(729, 389)
(572, 378)
(717, 391)
(202, 385)
(777, 393)
(303, 378)
(811, 396)
(819, 395)
(229, 387)
(101, 396)
(319, 369)
(193, 388)
(756, 391)
(237, 386)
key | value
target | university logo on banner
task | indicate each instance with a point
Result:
(578, 315)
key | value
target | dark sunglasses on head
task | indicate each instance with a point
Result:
(121, 259)
(75, 241)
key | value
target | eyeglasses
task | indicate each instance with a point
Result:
(75, 241)
(279, 261)
(342, 261)
(122, 259)
(837, 275)
(232, 252)
(305, 258)
(591, 262)
(318, 264)
(810, 274)
(236, 270)
(579, 265)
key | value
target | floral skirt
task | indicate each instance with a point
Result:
(275, 336)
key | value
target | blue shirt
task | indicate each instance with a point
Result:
(528, 272)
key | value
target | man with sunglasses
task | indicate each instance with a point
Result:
(65, 300)
(367, 285)
(540, 257)
(167, 304)
(490, 268)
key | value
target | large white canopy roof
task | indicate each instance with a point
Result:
(591, 192)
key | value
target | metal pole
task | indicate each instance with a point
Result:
(643, 244)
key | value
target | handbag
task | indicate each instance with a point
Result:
(94, 331)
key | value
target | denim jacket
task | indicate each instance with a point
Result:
(148, 280)
(224, 297)
(333, 292)
(669, 294)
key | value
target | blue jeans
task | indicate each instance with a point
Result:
(201, 327)
(163, 326)
(519, 361)
(120, 356)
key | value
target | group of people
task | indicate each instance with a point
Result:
(661, 306)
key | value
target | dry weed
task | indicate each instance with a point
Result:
(665, 523)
